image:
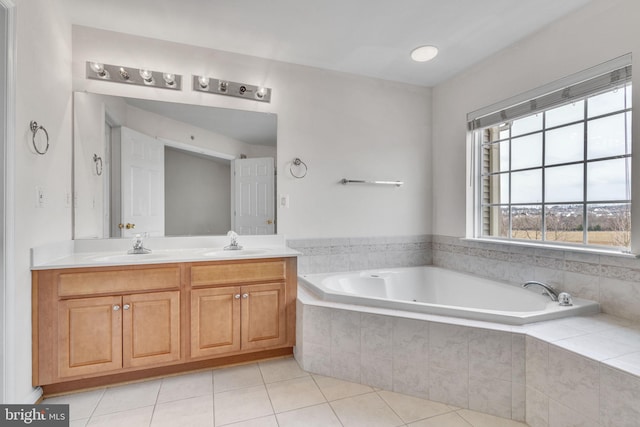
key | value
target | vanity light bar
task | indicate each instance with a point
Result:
(133, 76)
(225, 87)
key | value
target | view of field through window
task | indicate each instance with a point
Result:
(561, 175)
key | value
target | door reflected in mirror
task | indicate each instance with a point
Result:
(171, 169)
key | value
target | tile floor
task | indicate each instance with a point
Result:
(275, 393)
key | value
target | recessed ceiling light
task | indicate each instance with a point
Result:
(424, 53)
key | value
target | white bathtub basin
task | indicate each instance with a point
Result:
(444, 292)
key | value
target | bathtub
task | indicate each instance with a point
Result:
(438, 291)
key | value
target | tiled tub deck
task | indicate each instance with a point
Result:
(579, 371)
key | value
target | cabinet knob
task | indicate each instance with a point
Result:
(245, 296)
(237, 296)
(126, 306)
(116, 307)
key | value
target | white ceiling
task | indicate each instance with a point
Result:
(365, 37)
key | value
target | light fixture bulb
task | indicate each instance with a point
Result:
(147, 76)
(424, 53)
(261, 92)
(98, 68)
(222, 86)
(124, 74)
(203, 82)
(169, 78)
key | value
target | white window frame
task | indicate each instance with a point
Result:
(519, 106)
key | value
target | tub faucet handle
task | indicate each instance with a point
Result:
(564, 299)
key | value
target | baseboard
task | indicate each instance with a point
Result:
(33, 397)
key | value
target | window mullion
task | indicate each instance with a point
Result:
(585, 138)
(544, 174)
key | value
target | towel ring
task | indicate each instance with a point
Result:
(98, 162)
(34, 129)
(298, 162)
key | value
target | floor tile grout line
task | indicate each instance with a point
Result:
(328, 402)
(389, 406)
(266, 389)
(345, 397)
(421, 419)
(463, 418)
(104, 390)
(155, 403)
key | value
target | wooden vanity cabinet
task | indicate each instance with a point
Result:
(89, 336)
(239, 307)
(215, 313)
(237, 318)
(98, 320)
(99, 325)
(107, 333)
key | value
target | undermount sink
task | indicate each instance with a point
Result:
(234, 253)
(129, 257)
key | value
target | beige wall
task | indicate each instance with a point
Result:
(43, 93)
(340, 125)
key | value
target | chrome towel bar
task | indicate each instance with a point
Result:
(346, 181)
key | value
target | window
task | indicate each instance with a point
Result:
(557, 168)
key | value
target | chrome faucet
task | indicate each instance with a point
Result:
(138, 246)
(233, 246)
(548, 289)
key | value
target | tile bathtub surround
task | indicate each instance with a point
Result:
(582, 371)
(613, 281)
(478, 369)
(281, 395)
(324, 255)
(566, 389)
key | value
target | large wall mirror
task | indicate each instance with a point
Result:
(169, 169)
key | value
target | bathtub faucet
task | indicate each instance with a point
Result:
(548, 289)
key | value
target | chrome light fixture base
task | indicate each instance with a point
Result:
(133, 76)
(226, 87)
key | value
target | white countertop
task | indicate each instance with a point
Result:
(113, 252)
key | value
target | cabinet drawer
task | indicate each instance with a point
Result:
(215, 274)
(118, 281)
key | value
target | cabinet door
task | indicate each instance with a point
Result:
(263, 316)
(215, 321)
(151, 328)
(89, 336)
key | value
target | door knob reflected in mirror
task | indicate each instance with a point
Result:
(128, 226)
(269, 221)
